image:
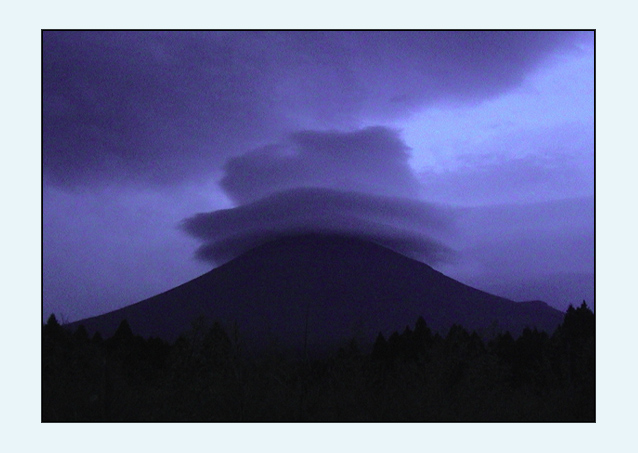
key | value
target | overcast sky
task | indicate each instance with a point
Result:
(168, 153)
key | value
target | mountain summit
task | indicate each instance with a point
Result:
(323, 289)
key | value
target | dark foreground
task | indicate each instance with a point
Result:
(412, 376)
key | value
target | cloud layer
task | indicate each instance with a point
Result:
(403, 225)
(372, 160)
(164, 107)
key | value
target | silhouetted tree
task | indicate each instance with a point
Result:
(54, 336)
(217, 347)
(457, 340)
(422, 334)
(52, 329)
(408, 349)
(123, 332)
(380, 348)
(199, 377)
(575, 339)
(80, 335)
(350, 351)
(52, 322)
(579, 324)
(504, 347)
(530, 361)
(97, 338)
(394, 346)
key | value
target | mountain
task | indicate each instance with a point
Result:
(557, 289)
(323, 289)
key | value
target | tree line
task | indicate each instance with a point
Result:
(413, 375)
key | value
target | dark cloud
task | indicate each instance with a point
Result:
(167, 106)
(149, 106)
(372, 160)
(407, 226)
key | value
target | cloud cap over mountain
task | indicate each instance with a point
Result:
(410, 227)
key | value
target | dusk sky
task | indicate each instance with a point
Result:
(168, 153)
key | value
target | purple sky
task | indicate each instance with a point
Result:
(166, 153)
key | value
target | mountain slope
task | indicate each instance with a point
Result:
(322, 289)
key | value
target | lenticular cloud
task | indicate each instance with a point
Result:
(355, 183)
(371, 160)
(409, 227)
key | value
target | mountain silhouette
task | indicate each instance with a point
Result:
(320, 290)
